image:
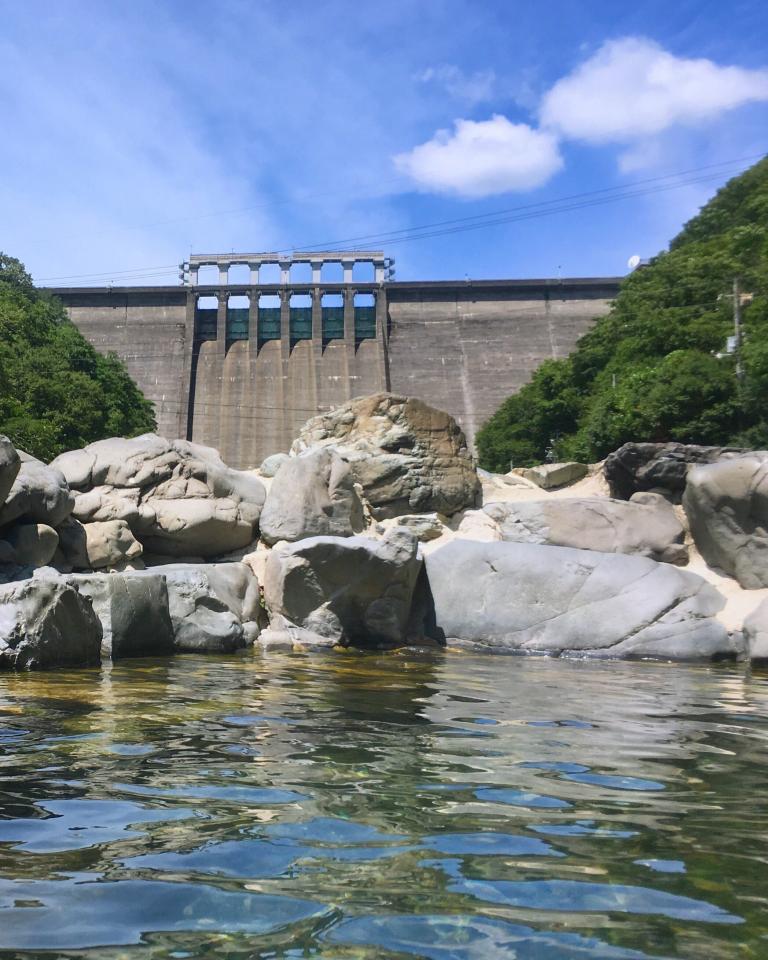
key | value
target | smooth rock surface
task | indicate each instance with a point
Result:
(178, 497)
(756, 633)
(312, 495)
(335, 590)
(209, 605)
(408, 456)
(530, 598)
(45, 623)
(727, 508)
(272, 464)
(110, 543)
(10, 463)
(648, 466)
(133, 610)
(649, 528)
(39, 493)
(550, 476)
(32, 543)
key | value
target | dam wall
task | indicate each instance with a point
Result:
(244, 378)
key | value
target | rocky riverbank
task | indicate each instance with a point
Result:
(376, 530)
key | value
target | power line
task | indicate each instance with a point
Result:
(478, 221)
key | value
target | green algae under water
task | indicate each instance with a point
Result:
(347, 805)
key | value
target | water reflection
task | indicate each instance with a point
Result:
(448, 806)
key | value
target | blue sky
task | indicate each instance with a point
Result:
(138, 132)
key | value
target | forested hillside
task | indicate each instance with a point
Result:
(656, 367)
(56, 392)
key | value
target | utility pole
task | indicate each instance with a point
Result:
(737, 329)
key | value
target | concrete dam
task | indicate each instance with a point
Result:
(241, 359)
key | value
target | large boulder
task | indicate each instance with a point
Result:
(648, 526)
(727, 508)
(110, 543)
(39, 494)
(133, 611)
(756, 633)
(650, 466)
(335, 590)
(312, 495)
(214, 607)
(178, 498)
(408, 456)
(45, 622)
(530, 598)
(33, 544)
(10, 463)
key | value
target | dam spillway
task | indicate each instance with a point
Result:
(241, 366)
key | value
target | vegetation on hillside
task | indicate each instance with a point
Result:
(656, 367)
(56, 392)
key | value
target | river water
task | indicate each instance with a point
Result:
(359, 806)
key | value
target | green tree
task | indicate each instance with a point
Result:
(56, 392)
(655, 367)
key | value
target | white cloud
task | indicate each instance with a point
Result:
(482, 158)
(470, 87)
(633, 88)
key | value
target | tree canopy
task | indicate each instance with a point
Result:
(56, 392)
(656, 366)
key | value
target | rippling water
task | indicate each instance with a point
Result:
(347, 805)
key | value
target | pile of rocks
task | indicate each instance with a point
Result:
(372, 532)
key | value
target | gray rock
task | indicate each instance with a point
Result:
(648, 466)
(649, 528)
(133, 610)
(178, 497)
(9, 467)
(272, 464)
(335, 590)
(727, 508)
(32, 543)
(408, 457)
(39, 493)
(424, 526)
(45, 623)
(209, 605)
(530, 598)
(72, 552)
(756, 633)
(110, 544)
(550, 476)
(312, 495)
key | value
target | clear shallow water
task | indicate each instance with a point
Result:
(361, 806)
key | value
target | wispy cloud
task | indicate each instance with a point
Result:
(471, 88)
(483, 158)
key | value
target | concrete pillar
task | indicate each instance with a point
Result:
(349, 316)
(187, 386)
(317, 266)
(382, 338)
(193, 270)
(285, 272)
(253, 321)
(221, 322)
(254, 268)
(285, 321)
(347, 265)
(223, 274)
(317, 315)
(378, 267)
